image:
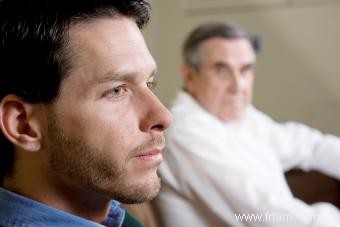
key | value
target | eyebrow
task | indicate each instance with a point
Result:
(125, 76)
(225, 64)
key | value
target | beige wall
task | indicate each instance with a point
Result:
(298, 72)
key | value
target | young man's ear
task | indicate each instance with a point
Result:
(19, 124)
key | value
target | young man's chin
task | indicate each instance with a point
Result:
(140, 192)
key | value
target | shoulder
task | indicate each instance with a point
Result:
(130, 221)
(190, 117)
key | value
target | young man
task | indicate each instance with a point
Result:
(224, 159)
(79, 122)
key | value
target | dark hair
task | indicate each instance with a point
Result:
(34, 56)
(192, 44)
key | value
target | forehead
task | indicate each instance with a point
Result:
(227, 50)
(105, 49)
(108, 43)
(117, 31)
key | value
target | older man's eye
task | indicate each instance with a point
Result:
(220, 69)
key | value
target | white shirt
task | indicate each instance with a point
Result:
(214, 172)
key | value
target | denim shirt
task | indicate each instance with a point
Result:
(19, 211)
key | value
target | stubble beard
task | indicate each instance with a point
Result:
(74, 161)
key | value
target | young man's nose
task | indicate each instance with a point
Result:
(156, 117)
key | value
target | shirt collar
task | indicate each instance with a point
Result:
(190, 102)
(20, 209)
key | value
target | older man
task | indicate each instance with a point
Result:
(79, 122)
(225, 160)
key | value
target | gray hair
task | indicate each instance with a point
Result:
(193, 43)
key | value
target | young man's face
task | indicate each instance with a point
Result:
(223, 84)
(105, 131)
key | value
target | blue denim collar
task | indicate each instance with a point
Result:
(17, 210)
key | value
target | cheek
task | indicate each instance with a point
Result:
(102, 131)
(249, 90)
(104, 126)
(114, 131)
(215, 100)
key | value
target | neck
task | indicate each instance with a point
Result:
(57, 193)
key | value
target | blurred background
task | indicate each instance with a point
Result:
(297, 74)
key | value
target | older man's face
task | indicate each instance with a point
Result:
(105, 131)
(223, 84)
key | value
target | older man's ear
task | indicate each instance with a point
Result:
(187, 73)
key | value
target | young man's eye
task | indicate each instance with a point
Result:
(116, 91)
(151, 84)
